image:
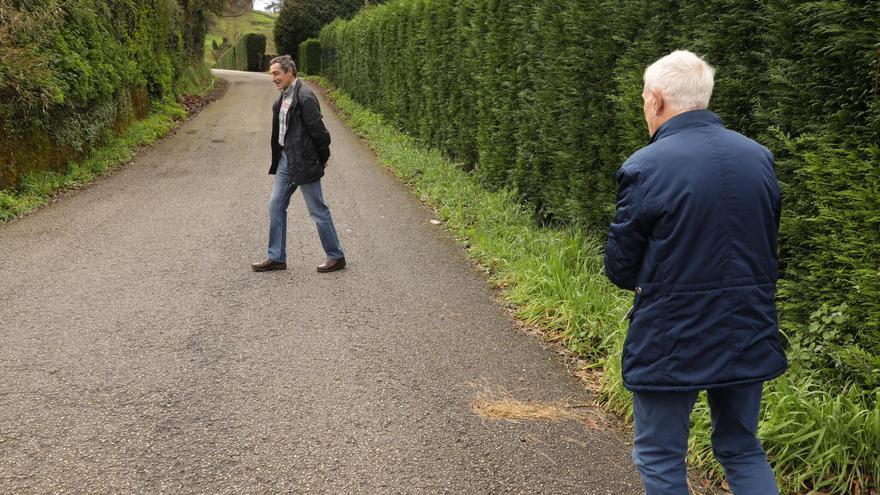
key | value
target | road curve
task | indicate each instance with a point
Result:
(140, 354)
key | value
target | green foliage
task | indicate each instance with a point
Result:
(74, 73)
(310, 57)
(246, 54)
(816, 438)
(195, 18)
(300, 20)
(830, 251)
(822, 440)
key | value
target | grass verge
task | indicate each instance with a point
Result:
(819, 441)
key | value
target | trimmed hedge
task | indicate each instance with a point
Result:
(75, 72)
(246, 54)
(543, 97)
(310, 57)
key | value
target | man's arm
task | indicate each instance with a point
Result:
(628, 234)
(314, 123)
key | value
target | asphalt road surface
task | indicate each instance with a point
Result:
(140, 354)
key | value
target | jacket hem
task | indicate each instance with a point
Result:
(705, 386)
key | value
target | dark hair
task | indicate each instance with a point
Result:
(287, 64)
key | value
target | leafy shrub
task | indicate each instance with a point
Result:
(310, 57)
(75, 72)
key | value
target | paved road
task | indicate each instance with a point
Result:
(140, 354)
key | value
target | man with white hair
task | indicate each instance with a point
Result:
(695, 238)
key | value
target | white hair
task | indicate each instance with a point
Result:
(684, 79)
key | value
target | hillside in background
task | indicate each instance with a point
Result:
(234, 27)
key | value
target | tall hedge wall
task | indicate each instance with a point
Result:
(310, 57)
(543, 97)
(73, 71)
(246, 54)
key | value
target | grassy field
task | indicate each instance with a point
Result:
(234, 27)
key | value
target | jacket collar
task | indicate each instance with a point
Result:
(686, 120)
(293, 89)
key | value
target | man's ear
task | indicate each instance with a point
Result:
(657, 102)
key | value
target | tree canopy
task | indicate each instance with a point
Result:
(300, 20)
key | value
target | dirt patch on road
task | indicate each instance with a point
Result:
(195, 103)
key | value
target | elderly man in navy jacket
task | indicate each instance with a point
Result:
(695, 238)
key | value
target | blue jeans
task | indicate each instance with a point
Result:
(282, 190)
(660, 439)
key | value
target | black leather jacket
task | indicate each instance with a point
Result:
(306, 142)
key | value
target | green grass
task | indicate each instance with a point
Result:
(555, 279)
(37, 189)
(235, 27)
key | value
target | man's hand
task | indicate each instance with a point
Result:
(326, 163)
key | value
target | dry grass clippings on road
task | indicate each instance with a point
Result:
(498, 404)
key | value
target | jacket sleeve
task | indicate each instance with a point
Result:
(628, 234)
(314, 123)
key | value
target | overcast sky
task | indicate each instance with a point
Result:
(260, 4)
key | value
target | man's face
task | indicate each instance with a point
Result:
(282, 79)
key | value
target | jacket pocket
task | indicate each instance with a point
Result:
(648, 337)
(308, 151)
(640, 292)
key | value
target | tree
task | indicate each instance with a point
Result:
(195, 18)
(300, 20)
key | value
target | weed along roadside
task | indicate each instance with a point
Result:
(554, 278)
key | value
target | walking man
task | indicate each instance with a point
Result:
(695, 237)
(300, 149)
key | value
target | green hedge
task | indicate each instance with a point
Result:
(816, 438)
(75, 72)
(543, 97)
(310, 57)
(246, 54)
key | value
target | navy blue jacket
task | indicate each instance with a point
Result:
(695, 237)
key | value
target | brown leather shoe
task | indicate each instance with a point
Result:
(331, 265)
(268, 264)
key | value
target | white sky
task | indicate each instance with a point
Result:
(260, 4)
